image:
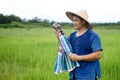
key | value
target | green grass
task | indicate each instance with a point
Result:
(29, 54)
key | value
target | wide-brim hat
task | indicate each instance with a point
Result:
(82, 14)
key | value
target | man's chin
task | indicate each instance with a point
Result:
(75, 28)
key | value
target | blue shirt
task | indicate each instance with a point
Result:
(82, 45)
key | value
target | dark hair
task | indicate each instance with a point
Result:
(86, 23)
(78, 17)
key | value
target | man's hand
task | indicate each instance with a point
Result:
(57, 34)
(74, 57)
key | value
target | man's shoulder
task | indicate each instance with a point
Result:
(93, 33)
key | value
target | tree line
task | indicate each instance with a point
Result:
(9, 18)
(9, 21)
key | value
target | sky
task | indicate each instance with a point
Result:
(98, 10)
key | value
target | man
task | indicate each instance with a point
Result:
(86, 47)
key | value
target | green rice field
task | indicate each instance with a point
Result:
(29, 54)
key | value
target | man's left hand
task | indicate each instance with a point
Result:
(74, 57)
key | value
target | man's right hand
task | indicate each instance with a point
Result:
(58, 33)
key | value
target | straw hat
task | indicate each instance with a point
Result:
(82, 14)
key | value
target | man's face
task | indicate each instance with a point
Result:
(77, 22)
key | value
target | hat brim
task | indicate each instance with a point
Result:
(70, 16)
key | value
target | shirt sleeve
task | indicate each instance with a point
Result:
(95, 43)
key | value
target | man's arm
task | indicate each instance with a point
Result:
(89, 57)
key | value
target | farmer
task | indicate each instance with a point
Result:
(86, 46)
